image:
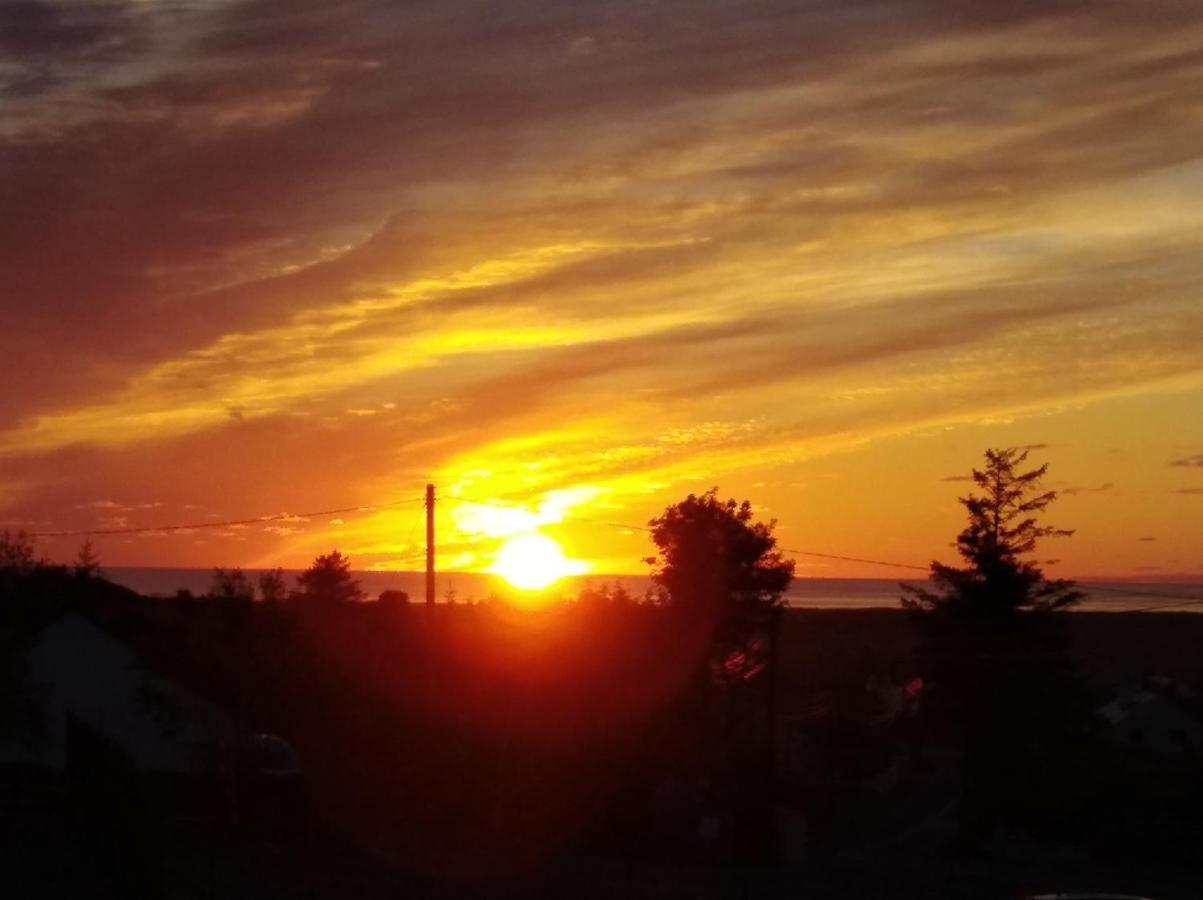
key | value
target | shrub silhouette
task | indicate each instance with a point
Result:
(329, 581)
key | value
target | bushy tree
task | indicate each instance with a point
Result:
(393, 599)
(720, 568)
(17, 555)
(721, 579)
(272, 588)
(329, 581)
(1003, 527)
(231, 584)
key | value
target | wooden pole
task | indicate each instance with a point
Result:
(429, 546)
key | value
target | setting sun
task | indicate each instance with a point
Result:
(532, 562)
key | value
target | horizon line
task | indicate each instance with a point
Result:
(1128, 578)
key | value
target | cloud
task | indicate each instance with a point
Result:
(114, 506)
(1189, 490)
(254, 55)
(1194, 462)
(576, 228)
(1104, 488)
(102, 504)
(45, 42)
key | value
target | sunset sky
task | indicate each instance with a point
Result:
(572, 260)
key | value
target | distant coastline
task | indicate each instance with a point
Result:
(1103, 595)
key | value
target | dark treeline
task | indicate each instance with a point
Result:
(471, 727)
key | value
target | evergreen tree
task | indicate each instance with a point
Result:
(1003, 527)
(329, 581)
(87, 563)
(995, 651)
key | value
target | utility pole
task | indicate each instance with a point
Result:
(429, 546)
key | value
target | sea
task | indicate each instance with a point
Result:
(804, 593)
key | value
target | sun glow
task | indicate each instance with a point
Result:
(532, 562)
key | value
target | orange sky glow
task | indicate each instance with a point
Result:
(571, 262)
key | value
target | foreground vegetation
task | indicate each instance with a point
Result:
(615, 725)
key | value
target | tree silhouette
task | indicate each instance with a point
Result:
(271, 586)
(17, 553)
(329, 581)
(87, 563)
(1002, 527)
(231, 584)
(722, 569)
(722, 578)
(995, 648)
(604, 596)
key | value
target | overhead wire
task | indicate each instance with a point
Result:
(1180, 600)
(858, 559)
(1168, 607)
(875, 562)
(1131, 593)
(413, 526)
(227, 523)
(449, 519)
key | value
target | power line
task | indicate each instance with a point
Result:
(413, 526)
(1132, 593)
(875, 562)
(1181, 599)
(229, 523)
(1188, 600)
(625, 526)
(1194, 601)
(872, 562)
(413, 557)
(454, 528)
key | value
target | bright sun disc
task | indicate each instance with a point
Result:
(532, 562)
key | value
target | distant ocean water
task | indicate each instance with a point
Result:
(805, 593)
